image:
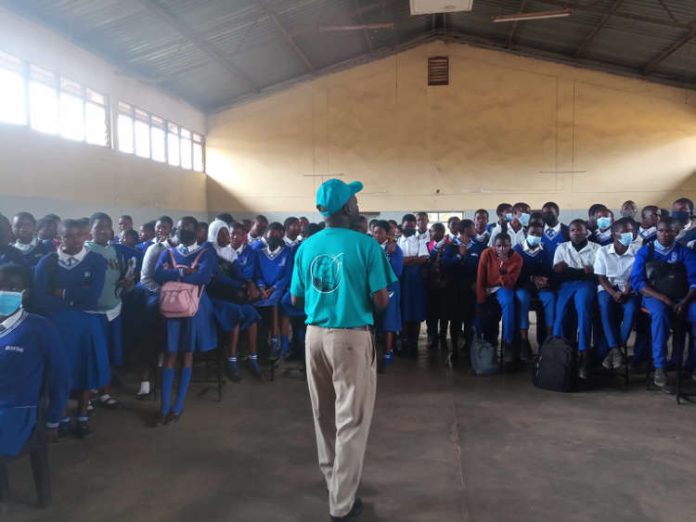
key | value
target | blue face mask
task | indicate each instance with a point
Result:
(681, 215)
(533, 241)
(660, 247)
(10, 302)
(626, 239)
(603, 223)
(524, 219)
(508, 217)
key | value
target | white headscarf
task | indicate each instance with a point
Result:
(227, 253)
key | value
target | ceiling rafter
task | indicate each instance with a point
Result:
(662, 56)
(595, 30)
(512, 35)
(184, 30)
(668, 10)
(361, 19)
(288, 37)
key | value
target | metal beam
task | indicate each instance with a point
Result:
(661, 57)
(361, 19)
(591, 35)
(591, 8)
(291, 41)
(513, 30)
(184, 30)
(667, 10)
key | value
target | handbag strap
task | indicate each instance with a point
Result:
(195, 261)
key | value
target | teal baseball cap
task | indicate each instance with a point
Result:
(334, 193)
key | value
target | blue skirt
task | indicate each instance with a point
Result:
(16, 427)
(390, 319)
(287, 309)
(228, 315)
(114, 338)
(413, 298)
(85, 342)
(193, 334)
(273, 299)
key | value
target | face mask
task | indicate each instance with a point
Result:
(660, 247)
(626, 239)
(408, 232)
(550, 219)
(274, 243)
(524, 219)
(533, 241)
(508, 217)
(681, 215)
(628, 213)
(603, 223)
(185, 236)
(10, 302)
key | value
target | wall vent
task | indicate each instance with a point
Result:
(438, 70)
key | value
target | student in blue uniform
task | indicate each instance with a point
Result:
(120, 276)
(388, 322)
(661, 307)
(190, 263)
(460, 260)
(516, 227)
(125, 222)
(453, 227)
(272, 273)
(47, 229)
(535, 281)
(413, 296)
(29, 246)
(67, 286)
(8, 254)
(504, 214)
(555, 232)
(258, 229)
(437, 289)
(147, 236)
(482, 236)
(603, 235)
(648, 223)
(246, 256)
(618, 303)
(31, 355)
(229, 293)
(573, 264)
(290, 314)
(683, 213)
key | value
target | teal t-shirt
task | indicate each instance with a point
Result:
(336, 272)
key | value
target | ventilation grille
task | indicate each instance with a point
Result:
(438, 70)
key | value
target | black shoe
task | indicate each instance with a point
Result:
(64, 430)
(172, 417)
(509, 355)
(232, 372)
(354, 513)
(584, 366)
(82, 429)
(525, 350)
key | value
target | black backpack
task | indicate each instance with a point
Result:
(556, 366)
(669, 279)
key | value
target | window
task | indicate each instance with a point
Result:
(71, 110)
(12, 91)
(43, 100)
(96, 127)
(443, 217)
(153, 137)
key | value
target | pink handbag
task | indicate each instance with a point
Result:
(178, 300)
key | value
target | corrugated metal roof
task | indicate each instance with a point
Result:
(213, 52)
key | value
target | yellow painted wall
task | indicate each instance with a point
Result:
(506, 128)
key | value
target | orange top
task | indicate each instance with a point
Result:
(489, 272)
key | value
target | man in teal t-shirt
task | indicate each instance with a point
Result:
(341, 276)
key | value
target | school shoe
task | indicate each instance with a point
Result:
(509, 356)
(232, 372)
(354, 512)
(608, 361)
(660, 378)
(108, 402)
(254, 368)
(388, 359)
(172, 417)
(584, 366)
(525, 350)
(64, 429)
(82, 429)
(619, 360)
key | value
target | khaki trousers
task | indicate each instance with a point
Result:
(342, 379)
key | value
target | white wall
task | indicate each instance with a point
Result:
(42, 174)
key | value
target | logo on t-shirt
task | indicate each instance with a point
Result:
(326, 272)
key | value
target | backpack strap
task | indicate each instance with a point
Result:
(198, 258)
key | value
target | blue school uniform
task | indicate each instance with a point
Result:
(287, 309)
(390, 319)
(197, 333)
(31, 354)
(602, 238)
(534, 263)
(144, 245)
(660, 315)
(647, 234)
(554, 236)
(413, 290)
(273, 270)
(9, 255)
(228, 314)
(81, 279)
(246, 259)
(39, 248)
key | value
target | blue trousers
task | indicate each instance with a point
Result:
(582, 295)
(617, 319)
(524, 303)
(506, 300)
(660, 322)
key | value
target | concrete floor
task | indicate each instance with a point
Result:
(445, 446)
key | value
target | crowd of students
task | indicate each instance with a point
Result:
(80, 300)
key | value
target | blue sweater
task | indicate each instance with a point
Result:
(463, 268)
(246, 259)
(272, 271)
(164, 271)
(81, 284)
(537, 263)
(30, 349)
(677, 254)
(33, 256)
(10, 256)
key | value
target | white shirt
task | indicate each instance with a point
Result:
(517, 238)
(26, 247)
(68, 261)
(413, 246)
(289, 242)
(616, 268)
(566, 253)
